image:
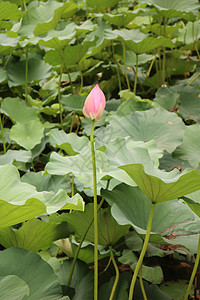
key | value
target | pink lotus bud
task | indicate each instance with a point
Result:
(94, 104)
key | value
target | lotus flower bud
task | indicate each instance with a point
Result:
(94, 104)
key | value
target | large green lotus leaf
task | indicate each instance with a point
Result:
(70, 143)
(48, 182)
(80, 165)
(151, 274)
(82, 279)
(131, 58)
(185, 6)
(37, 274)
(177, 66)
(58, 39)
(121, 149)
(109, 231)
(9, 11)
(170, 30)
(132, 105)
(34, 235)
(37, 70)
(193, 201)
(74, 54)
(13, 287)
(51, 110)
(190, 148)
(168, 163)
(121, 292)
(7, 44)
(106, 3)
(12, 214)
(160, 187)
(103, 34)
(5, 25)
(15, 1)
(70, 9)
(17, 110)
(53, 57)
(148, 44)
(166, 128)
(153, 292)
(84, 27)
(176, 289)
(39, 20)
(75, 203)
(155, 81)
(3, 75)
(166, 98)
(189, 33)
(139, 42)
(130, 206)
(73, 103)
(171, 8)
(120, 20)
(27, 135)
(129, 34)
(188, 108)
(15, 155)
(55, 183)
(16, 194)
(69, 247)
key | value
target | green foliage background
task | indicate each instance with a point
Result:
(145, 57)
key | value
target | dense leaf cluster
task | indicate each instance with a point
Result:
(144, 55)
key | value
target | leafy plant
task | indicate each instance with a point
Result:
(70, 186)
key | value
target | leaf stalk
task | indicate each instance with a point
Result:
(139, 263)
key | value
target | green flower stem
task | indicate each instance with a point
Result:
(164, 52)
(70, 80)
(160, 60)
(72, 194)
(95, 213)
(156, 61)
(2, 136)
(65, 66)
(81, 87)
(194, 41)
(118, 69)
(142, 285)
(197, 51)
(32, 164)
(72, 122)
(26, 76)
(59, 96)
(118, 75)
(151, 65)
(25, 8)
(136, 73)
(193, 272)
(164, 62)
(194, 79)
(81, 242)
(7, 60)
(107, 266)
(117, 274)
(139, 263)
(125, 68)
